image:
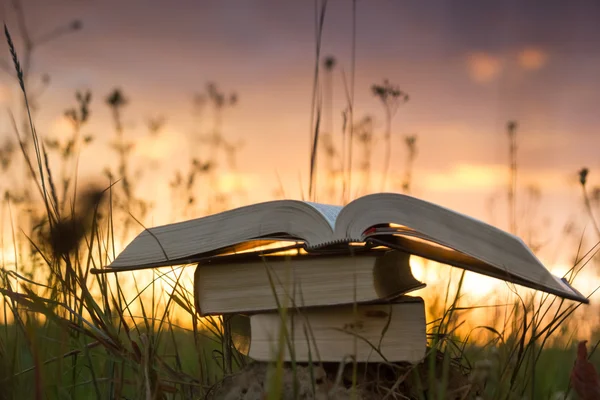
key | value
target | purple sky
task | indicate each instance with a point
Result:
(468, 67)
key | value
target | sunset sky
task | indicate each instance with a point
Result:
(468, 67)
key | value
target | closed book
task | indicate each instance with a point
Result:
(386, 331)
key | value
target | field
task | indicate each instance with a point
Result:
(68, 333)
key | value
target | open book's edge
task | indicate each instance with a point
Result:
(230, 253)
(563, 281)
(238, 253)
(460, 260)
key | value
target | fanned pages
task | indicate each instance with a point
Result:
(334, 334)
(377, 217)
(168, 244)
(248, 287)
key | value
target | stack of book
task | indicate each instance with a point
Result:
(342, 274)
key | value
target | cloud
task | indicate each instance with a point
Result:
(487, 177)
(466, 177)
(230, 182)
(532, 58)
(483, 67)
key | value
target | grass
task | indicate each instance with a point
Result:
(70, 334)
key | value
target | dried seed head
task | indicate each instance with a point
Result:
(583, 173)
(329, 63)
(76, 25)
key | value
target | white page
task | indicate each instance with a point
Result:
(328, 211)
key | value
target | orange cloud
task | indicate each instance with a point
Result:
(466, 177)
(483, 67)
(229, 182)
(532, 58)
(486, 177)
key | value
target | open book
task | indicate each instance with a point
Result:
(379, 218)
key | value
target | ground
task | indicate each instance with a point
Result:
(332, 381)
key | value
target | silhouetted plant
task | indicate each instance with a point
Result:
(363, 132)
(117, 101)
(69, 231)
(583, 177)
(511, 130)
(70, 149)
(529, 214)
(391, 98)
(6, 154)
(216, 143)
(332, 166)
(329, 63)
(411, 146)
(220, 101)
(31, 42)
(156, 125)
(125, 198)
(583, 174)
(331, 153)
(183, 190)
(315, 109)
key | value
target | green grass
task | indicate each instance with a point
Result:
(57, 375)
(74, 368)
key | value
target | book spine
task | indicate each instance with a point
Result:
(331, 243)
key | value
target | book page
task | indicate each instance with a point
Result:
(328, 211)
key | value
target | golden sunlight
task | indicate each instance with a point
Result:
(61, 127)
(431, 272)
(232, 182)
(486, 177)
(467, 177)
(162, 146)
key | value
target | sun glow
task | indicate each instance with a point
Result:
(433, 274)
